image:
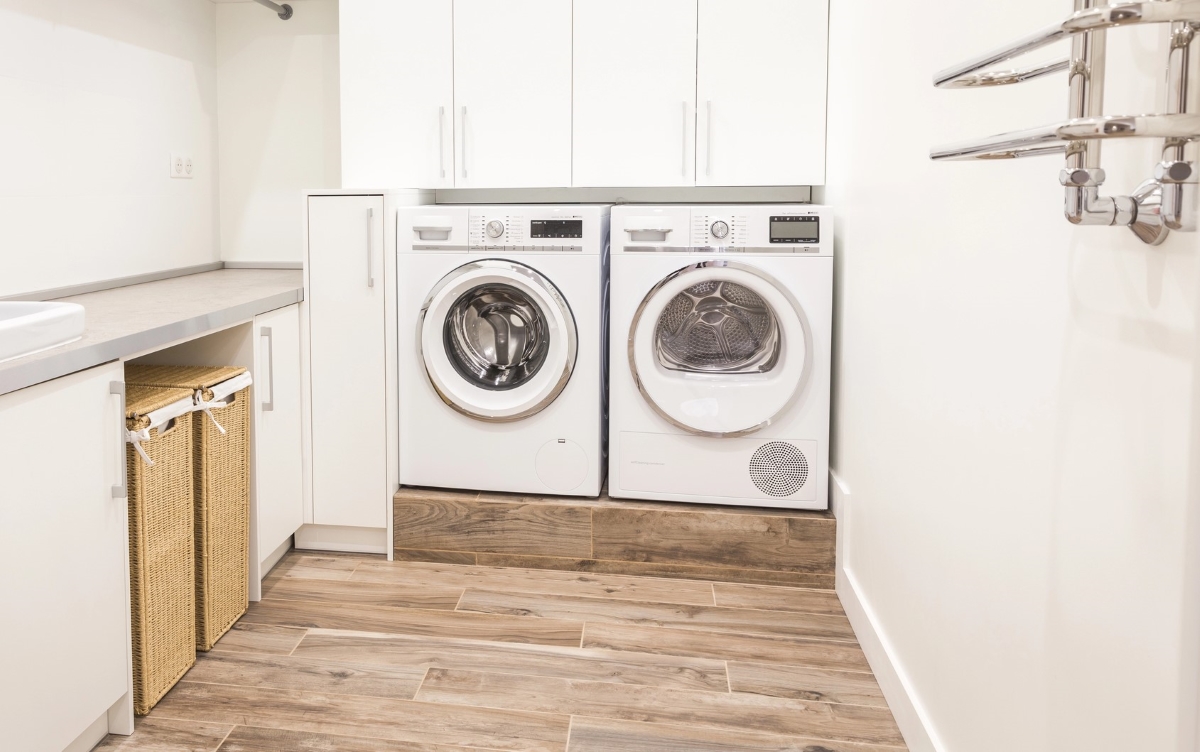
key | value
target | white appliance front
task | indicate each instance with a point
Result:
(501, 314)
(720, 354)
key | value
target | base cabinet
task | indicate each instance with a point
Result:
(64, 582)
(278, 422)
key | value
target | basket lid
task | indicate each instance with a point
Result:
(141, 401)
(195, 378)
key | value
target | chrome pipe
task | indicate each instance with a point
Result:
(1082, 176)
(284, 11)
(1072, 137)
(1086, 19)
(1178, 171)
(1003, 78)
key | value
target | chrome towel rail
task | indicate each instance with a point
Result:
(1169, 200)
(284, 11)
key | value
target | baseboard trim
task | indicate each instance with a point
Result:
(352, 540)
(264, 264)
(897, 689)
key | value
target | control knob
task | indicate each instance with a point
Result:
(720, 229)
(495, 228)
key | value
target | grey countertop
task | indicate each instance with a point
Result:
(134, 319)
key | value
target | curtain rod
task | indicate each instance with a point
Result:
(284, 11)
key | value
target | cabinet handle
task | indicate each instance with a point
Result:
(121, 490)
(370, 248)
(442, 141)
(708, 141)
(463, 127)
(685, 132)
(269, 406)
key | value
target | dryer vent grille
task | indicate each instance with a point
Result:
(779, 468)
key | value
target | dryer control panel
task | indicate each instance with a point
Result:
(744, 228)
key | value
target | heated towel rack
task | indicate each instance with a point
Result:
(284, 11)
(1168, 200)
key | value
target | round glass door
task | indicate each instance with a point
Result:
(498, 340)
(720, 348)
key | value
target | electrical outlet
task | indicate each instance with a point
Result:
(181, 165)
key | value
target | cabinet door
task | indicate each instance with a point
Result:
(347, 372)
(64, 578)
(397, 93)
(512, 93)
(761, 92)
(278, 454)
(635, 92)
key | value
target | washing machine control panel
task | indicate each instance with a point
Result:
(547, 229)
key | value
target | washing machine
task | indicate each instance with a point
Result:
(720, 354)
(502, 349)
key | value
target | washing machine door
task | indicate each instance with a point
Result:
(498, 340)
(720, 348)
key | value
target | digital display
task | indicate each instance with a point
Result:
(556, 228)
(805, 229)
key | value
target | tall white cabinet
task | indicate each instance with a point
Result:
(64, 625)
(397, 93)
(347, 360)
(512, 93)
(634, 92)
(760, 89)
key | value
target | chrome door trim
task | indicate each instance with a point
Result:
(805, 376)
(535, 278)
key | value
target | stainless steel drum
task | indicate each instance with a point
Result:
(496, 336)
(717, 326)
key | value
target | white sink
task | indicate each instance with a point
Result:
(27, 328)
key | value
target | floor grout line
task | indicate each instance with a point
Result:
(226, 737)
(713, 588)
(728, 680)
(422, 684)
(570, 728)
(458, 602)
(293, 650)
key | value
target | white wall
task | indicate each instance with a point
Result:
(278, 124)
(1016, 410)
(94, 96)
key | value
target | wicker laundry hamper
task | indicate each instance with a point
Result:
(162, 568)
(221, 450)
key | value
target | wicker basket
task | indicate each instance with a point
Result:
(222, 495)
(162, 567)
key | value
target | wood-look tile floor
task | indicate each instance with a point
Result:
(358, 654)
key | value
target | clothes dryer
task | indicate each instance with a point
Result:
(720, 354)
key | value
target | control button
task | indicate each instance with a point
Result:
(495, 228)
(720, 229)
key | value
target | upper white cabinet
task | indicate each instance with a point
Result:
(397, 89)
(760, 89)
(278, 424)
(512, 93)
(347, 359)
(635, 93)
(64, 626)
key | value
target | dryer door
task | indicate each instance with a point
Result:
(498, 340)
(720, 348)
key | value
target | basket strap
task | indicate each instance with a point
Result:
(206, 408)
(136, 438)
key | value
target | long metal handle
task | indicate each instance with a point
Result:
(266, 332)
(463, 128)
(121, 490)
(1055, 138)
(284, 11)
(1092, 19)
(708, 143)
(442, 141)
(685, 138)
(370, 247)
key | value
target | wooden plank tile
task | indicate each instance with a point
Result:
(536, 581)
(290, 672)
(601, 735)
(316, 566)
(439, 557)
(417, 595)
(785, 717)
(534, 660)
(777, 598)
(371, 717)
(448, 524)
(654, 569)
(711, 618)
(318, 615)
(792, 544)
(606, 501)
(245, 637)
(165, 735)
(805, 683)
(726, 646)
(250, 739)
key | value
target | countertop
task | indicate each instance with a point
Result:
(138, 318)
